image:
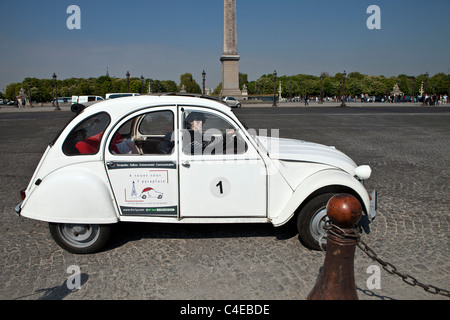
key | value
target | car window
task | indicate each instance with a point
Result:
(205, 133)
(85, 138)
(146, 134)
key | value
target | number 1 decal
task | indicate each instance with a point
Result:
(219, 185)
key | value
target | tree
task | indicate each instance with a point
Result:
(84, 88)
(103, 85)
(12, 90)
(439, 83)
(189, 83)
(218, 90)
(169, 86)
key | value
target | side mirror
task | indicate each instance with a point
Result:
(77, 108)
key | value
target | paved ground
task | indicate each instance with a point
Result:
(406, 146)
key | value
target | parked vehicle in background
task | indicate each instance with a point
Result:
(232, 102)
(81, 102)
(406, 99)
(120, 95)
(63, 100)
(84, 99)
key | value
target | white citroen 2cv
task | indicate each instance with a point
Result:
(199, 163)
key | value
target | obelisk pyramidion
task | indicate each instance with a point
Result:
(230, 58)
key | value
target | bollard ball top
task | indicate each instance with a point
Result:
(344, 210)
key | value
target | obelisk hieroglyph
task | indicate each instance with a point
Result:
(230, 58)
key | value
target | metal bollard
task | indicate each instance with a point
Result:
(337, 279)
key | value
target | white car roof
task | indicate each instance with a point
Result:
(120, 106)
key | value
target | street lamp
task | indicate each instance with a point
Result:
(274, 88)
(128, 81)
(142, 84)
(57, 108)
(204, 78)
(343, 91)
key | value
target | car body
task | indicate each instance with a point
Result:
(232, 102)
(134, 160)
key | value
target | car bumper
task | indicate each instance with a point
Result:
(373, 196)
(18, 208)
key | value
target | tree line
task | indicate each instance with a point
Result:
(44, 89)
(355, 84)
(291, 86)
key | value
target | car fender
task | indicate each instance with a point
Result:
(331, 179)
(85, 197)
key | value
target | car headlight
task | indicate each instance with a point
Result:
(363, 172)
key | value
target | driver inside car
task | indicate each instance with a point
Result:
(195, 140)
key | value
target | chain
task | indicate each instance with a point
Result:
(389, 267)
(339, 232)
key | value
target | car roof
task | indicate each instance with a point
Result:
(125, 105)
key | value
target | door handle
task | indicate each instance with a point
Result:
(110, 164)
(186, 164)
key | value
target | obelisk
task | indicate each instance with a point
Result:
(230, 58)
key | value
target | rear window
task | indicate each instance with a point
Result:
(85, 138)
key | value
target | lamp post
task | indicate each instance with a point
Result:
(57, 108)
(142, 84)
(274, 88)
(321, 89)
(128, 81)
(343, 90)
(204, 78)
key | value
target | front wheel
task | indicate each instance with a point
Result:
(80, 238)
(311, 220)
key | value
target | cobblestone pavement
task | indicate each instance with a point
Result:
(407, 148)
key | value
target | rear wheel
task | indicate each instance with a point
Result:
(80, 238)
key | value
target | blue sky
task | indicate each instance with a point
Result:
(164, 39)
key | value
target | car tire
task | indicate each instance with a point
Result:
(310, 221)
(80, 238)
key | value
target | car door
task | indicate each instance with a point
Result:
(141, 161)
(221, 173)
